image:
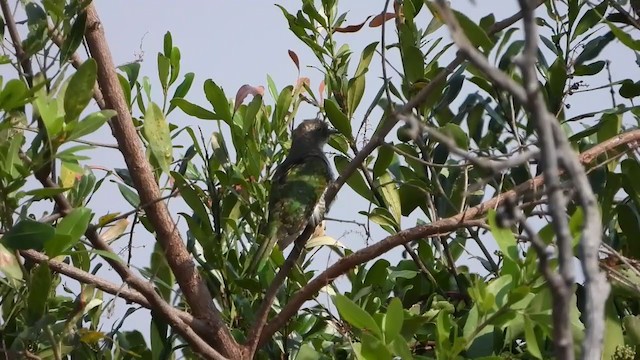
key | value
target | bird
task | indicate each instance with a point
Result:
(297, 189)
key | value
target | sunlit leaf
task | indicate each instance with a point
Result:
(156, 130)
(80, 90)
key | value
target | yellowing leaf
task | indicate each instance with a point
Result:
(156, 130)
(115, 230)
(90, 336)
(391, 196)
(68, 176)
(322, 241)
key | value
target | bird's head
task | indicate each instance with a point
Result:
(311, 134)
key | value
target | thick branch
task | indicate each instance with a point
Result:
(177, 256)
(630, 139)
(376, 140)
(64, 206)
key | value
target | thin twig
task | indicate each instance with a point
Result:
(25, 61)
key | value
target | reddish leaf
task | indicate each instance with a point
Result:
(378, 20)
(301, 81)
(295, 59)
(321, 91)
(244, 91)
(351, 28)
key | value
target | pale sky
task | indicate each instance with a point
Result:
(241, 42)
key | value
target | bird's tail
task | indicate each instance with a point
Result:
(264, 250)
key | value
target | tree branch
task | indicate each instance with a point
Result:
(121, 291)
(21, 56)
(555, 149)
(561, 291)
(177, 256)
(144, 287)
(388, 123)
(464, 219)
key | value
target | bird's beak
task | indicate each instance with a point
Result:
(333, 131)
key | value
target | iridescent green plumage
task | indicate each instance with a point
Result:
(297, 188)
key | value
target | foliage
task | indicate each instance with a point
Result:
(427, 305)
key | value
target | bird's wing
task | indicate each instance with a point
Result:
(295, 193)
(296, 188)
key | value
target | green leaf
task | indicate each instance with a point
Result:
(530, 337)
(132, 70)
(69, 155)
(355, 181)
(190, 196)
(80, 90)
(44, 193)
(412, 63)
(555, 86)
(355, 89)
(39, 292)
(124, 84)
(610, 126)
(132, 198)
(504, 237)
(48, 111)
(383, 160)
(218, 100)
(162, 271)
(589, 69)
(68, 232)
(91, 123)
(356, 316)
(160, 341)
(384, 218)
(167, 44)
(401, 348)
(337, 118)
(28, 234)
(593, 48)
(194, 110)
(373, 348)
(630, 225)
(106, 255)
(590, 18)
(632, 327)
(393, 320)
(74, 37)
(156, 130)
(14, 95)
(458, 135)
(474, 32)
(182, 89)
(164, 65)
(613, 336)
(391, 196)
(282, 106)
(629, 89)
(624, 37)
